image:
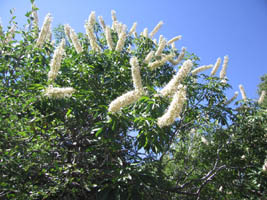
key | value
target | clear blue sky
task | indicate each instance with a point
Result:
(210, 28)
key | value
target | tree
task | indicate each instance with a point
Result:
(108, 117)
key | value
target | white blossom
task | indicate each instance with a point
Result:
(262, 96)
(121, 41)
(243, 93)
(155, 30)
(109, 38)
(102, 22)
(200, 69)
(175, 108)
(160, 62)
(49, 34)
(224, 67)
(67, 30)
(56, 61)
(149, 57)
(124, 100)
(180, 57)
(75, 41)
(171, 41)
(1, 28)
(145, 32)
(204, 140)
(171, 87)
(58, 93)
(113, 15)
(162, 45)
(216, 66)
(91, 37)
(133, 29)
(137, 81)
(44, 31)
(264, 167)
(92, 19)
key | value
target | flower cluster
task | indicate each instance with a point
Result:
(261, 99)
(156, 29)
(224, 67)
(200, 69)
(216, 66)
(180, 57)
(171, 41)
(137, 81)
(121, 41)
(162, 44)
(44, 31)
(58, 93)
(109, 38)
(243, 93)
(174, 109)
(74, 38)
(132, 96)
(56, 61)
(171, 87)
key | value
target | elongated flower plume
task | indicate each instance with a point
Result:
(216, 66)
(175, 108)
(161, 38)
(124, 100)
(10, 33)
(137, 81)
(58, 93)
(35, 17)
(149, 57)
(204, 140)
(243, 93)
(102, 22)
(162, 45)
(145, 32)
(92, 19)
(44, 31)
(160, 62)
(121, 41)
(180, 57)
(171, 87)
(109, 38)
(75, 41)
(49, 34)
(224, 67)
(171, 41)
(67, 31)
(91, 37)
(113, 15)
(1, 28)
(156, 29)
(56, 61)
(232, 99)
(133, 29)
(261, 99)
(200, 69)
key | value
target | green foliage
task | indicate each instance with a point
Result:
(72, 148)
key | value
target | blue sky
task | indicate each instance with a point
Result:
(210, 28)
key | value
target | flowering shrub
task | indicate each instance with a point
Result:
(119, 115)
